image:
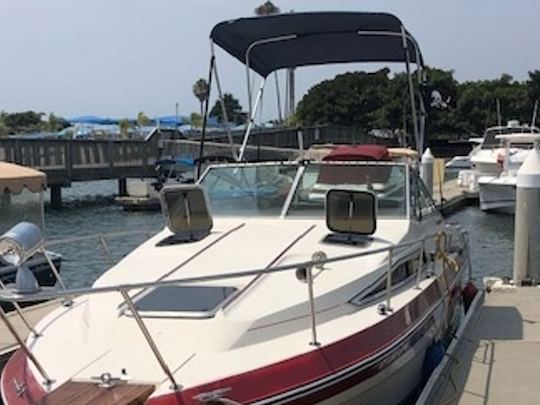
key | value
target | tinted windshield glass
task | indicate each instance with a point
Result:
(261, 190)
(258, 190)
(388, 182)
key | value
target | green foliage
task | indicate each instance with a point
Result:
(142, 119)
(125, 126)
(196, 120)
(376, 100)
(28, 121)
(201, 91)
(267, 8)
(233, 108)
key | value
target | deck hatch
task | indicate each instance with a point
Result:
(191, 301)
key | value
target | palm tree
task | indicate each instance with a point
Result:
(142, 119)
(267, 8)
(200, 90)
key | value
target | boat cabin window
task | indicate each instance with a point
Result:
(190, 301)
(401, 274)
(491, 141)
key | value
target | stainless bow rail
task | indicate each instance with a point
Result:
(319, 261)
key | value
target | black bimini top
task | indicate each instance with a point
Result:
(278, 41)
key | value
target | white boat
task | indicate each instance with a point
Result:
(459, 162)
(280, 282)
(488, 158)
(497, 193)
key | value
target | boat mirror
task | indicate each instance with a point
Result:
(351, 212)
(186, 210)
(20, 243)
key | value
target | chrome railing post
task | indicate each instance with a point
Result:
(106, 249)
(389, 279)
(19, 311)
(309, 279)
(149, 339)
(24, 348)
(420, 268)
(53, 268)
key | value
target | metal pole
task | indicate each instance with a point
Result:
(53, 268)
(106, 249)
(419, 148)
(24, 348)
(389, 280)
(149, 339)
(205, 118)
(223, 109)
(21, 314)
(251, 120)
(278, 96)
(309, 275)
(420, 265)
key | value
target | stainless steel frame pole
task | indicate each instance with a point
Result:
(411, 91)
(389, 280)
(309, 275)
(149, 339)
(251, 120)
(19, 311)
(25, 348)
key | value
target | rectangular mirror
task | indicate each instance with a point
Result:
(350, 211)
(185, 208)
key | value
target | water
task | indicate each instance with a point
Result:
(89, 210)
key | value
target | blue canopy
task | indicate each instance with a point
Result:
(92, 119)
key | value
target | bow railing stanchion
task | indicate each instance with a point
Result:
(309, 279)
(106, 249)
(20, 312)
(53, 269)
(148, 338)
(389, 279)
(24, 348)
(420, 267)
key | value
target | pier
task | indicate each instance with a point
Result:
(71, 160)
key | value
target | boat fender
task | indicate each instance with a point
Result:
(468, 293)
(434, 355)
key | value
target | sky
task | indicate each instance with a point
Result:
(115, 58)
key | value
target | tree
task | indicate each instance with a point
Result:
(233, 108)
(124, 125)
(196, 120)
(28, 121)
(201, 92)
(142, 119)
(267, 8)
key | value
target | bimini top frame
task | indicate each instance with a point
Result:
(268, 43)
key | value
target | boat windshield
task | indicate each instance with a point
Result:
(491, 141)
(262, 189)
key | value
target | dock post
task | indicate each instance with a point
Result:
(426, 169)
(56, 196)
(527, 221)
(122, 187)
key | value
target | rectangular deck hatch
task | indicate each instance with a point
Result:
(193, 301)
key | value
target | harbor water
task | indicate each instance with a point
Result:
(89, 209)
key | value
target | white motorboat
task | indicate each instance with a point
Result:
(488, 158)
(333, 281)
(497, 193)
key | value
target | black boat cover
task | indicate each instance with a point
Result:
(314, 39)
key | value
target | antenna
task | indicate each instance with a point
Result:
(535, 111)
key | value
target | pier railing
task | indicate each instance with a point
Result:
(80, 160)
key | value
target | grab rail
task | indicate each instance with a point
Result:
(123, 289)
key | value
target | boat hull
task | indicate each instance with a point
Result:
(497, 195)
